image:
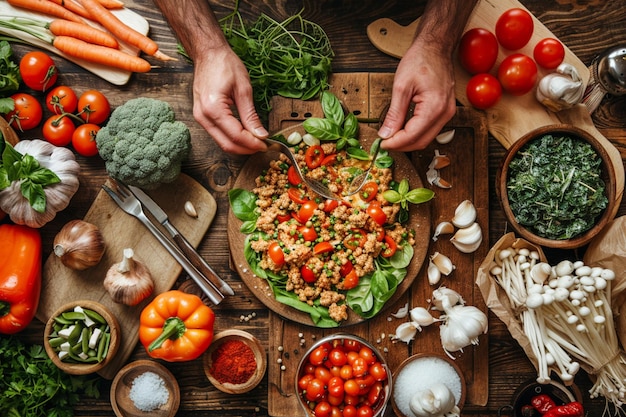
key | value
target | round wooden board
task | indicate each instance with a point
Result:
(419, 220)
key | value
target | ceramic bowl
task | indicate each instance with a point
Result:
(347, 341)
(71, 366)
(419, 372)
(523, 395)
(128, 402)
(212, 355)
(608, 175)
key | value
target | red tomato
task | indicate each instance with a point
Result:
(346, 372)
(319, 355)
(334, 399)
(351, 387)
(337, 357)
(368, 355)
(27, 113)
(323, 247)
(330, 205)
(549, 53)
(390, 247)
(369, 191)
(478, 50)
(323, 374)
(352, 345)
(336, 412)
(322, 409)
(375, 394)
(307, 210)
(329, 160)
(293, 177)
(346, 268)
(359, 367)
(315, 390)
(349, 411)
(303, 382)
(84, 139)
(307, 274)
(308, 233)
(483, 91)
(378, 371)
(335, 386)
(61, 99)
(514, 28)
(282, 217)
(93, 107)
(296, 195)
(365, 411)
(276, 254)
(38, 70)
(375, 211)
(517, 74)
(58, 130)
(356, 238)
(314, 156)
(351, 280)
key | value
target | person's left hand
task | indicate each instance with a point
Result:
(425, 79)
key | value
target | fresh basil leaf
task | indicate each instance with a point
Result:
(248, 227)
(403, 187)
(350, 126)
(341, 143)
(360, 298)
(332, 108)
(323, 129)
(402, 258)
(43, 176)
(392, 196)
(353, 142)
(419, 195)
(383, 160)
(243, 204)
(35, 195)
(358, 153)
(4, 179)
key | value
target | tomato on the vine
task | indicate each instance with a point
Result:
(38, 70)
(517, 74)
(549, 53)
(314, 156)
(478, 50)
(276, 254)
(93, 107)
(514, 28)
(27, 113)
(483, 91)
(58, 130)
(84, 139)
(61, 99)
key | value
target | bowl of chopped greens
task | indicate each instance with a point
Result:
(557, 186)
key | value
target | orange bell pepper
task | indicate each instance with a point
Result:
(20, 276)
(176, 326)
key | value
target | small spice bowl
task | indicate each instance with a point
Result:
(128, 398)
(608, 176)
(239, 349)
(421, 371)
(523, 395)
(94, 339)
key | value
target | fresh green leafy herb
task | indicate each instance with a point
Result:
(32, 386)
(335, 125)
(400, 193)
(9, 77)
(555, 186)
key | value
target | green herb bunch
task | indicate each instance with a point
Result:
(9, 77)
(32, 386)
(555, 187)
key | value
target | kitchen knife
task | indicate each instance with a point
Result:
(161, 216)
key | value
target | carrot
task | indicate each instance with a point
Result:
(112, 4)
(73, 6)
(46, 7)
(100, 54)
(82, 31)
(121, 30)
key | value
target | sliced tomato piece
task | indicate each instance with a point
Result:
(369, 191)
(390, 247)
(356, 238)
(375, 211)
(346, 268)
(380, 233)
(276, 254)
(314, 156)
(293, 177)
(297, 195)
(323, 247)
(283, 217)
(307, 210)
(351, 280)
(308, 233)
(329, 160)
(330, 205)
(307, 274)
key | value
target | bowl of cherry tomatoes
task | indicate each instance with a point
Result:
(345, 373)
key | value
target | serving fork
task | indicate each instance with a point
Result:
(125, 199)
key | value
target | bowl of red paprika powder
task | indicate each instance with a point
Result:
(235, 362)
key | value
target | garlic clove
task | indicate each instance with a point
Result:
(443, 263)
(79, 245)
(443, 228)
(434, 274)
(445, 137)
(431, 175)
(129, 282)
(439, 161)
(190, 209)
(464, 214)
(406, 332)
(468, 239)
(294, 138)
(310, 140)
(421, 316)
(441, 183)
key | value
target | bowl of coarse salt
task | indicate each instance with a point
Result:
(423, 381)
(145, 387)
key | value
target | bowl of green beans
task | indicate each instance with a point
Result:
(81, 337)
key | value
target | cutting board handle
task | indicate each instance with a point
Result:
(391, 37)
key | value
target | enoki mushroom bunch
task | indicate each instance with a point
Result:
(565, 311)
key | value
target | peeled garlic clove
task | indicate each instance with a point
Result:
(441, 183)
(421, 316)
(434, 274)
(445, 137)
(443, 263)
(431, 175)
(406, 332)
(310, 140)
(468, 239)
(443, 228)
(464, 214)
(190, 209)
(439, 161)
(294, 138)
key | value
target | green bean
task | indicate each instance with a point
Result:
(95, 316)
(56, 341)
(73, 315)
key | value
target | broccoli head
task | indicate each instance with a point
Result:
(142, 144)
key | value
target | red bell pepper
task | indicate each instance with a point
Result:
(20, 276)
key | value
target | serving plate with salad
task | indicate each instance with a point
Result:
(321, 262)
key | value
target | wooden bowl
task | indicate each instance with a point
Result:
(7, 132)
(121, 401)
(429, 368)
(75, 368)
(259, 355)
(608, 175)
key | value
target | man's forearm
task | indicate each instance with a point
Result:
(443, 22)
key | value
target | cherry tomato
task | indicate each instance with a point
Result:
(84, 139)
(94, 107)
(308, 233)
(378, 371)
(351, 399)
(375, 211)
(307, 274)
(319, 355)
(478, 50)
(322, 409)
(346, 268)
(375, 394)
(314, 156)
(368, 191)
(336, 412)
(58, 130)
(380, 233)
(283, 217)
(296, 195)
(390, 247)
(307, 210)
(323, 247)
(514, 28)
(356, 238)
(351, 387)
(549, 53)
(276, 254)
(351, 280)
(365, 411)
(293, 177)
(330, 205)
(352, 345)
(329, 160)
(337, 357)
(349, 411)
(323, 374)
(359, 367)
(315, 390)
(517, 74)
(368, 355)
(304, 380)
(336, 386)
(346, 372)
(38, 70)
(334, 399)
(61, 99)
(483, 91)
(27, 113)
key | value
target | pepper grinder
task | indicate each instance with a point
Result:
(607, 75)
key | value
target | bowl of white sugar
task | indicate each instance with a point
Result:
(143, 388)
(424, 381)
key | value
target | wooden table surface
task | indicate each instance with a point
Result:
(587, 27)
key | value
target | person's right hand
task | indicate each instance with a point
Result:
(221, 85)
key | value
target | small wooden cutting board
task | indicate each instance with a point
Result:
(61, 285)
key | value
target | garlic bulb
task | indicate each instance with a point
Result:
(561, 89)
(461, 327)
(129, 281)
(437, 401)
(79, 245)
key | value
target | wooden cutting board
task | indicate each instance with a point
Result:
(120, 230)
(367, 94)
(112, 75)
(513, 116)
